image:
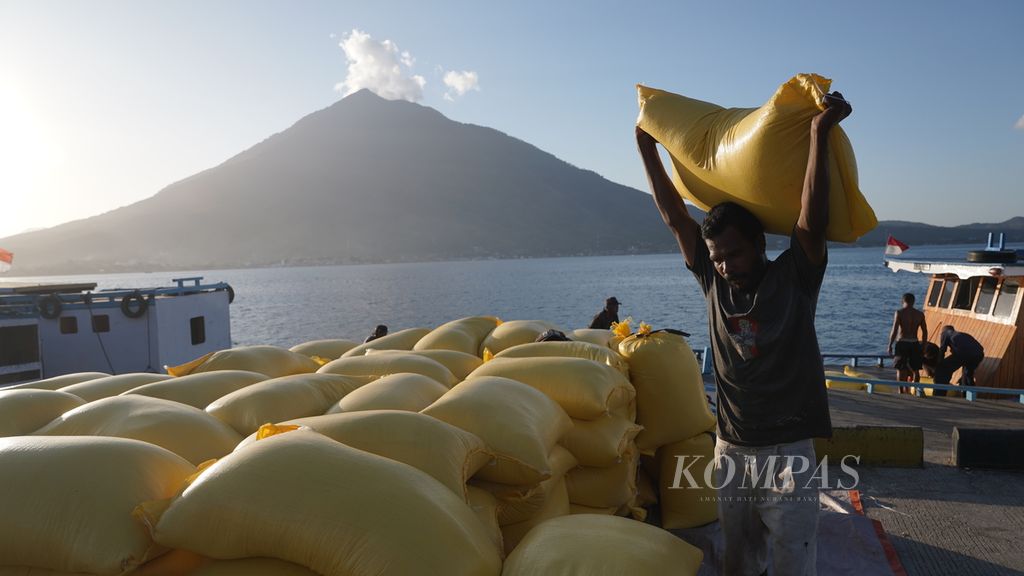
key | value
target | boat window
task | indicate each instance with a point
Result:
(21, 345)
(947, 292)
(198, 329)
(1007, 297)
(988, 291)
(964, 299)
(101, 323)
(68, 325)
(933, 293)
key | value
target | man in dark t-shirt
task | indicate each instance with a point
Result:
(768, 369)
(605, 318)
(964, 352)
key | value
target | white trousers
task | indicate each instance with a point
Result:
(767, 502)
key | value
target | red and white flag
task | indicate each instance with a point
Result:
(894, 247)
(6, 259)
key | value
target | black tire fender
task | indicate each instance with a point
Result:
(992, 256)
(134, 305)
(49, 306)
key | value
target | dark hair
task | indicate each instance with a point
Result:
(909, 298)
(732, 214)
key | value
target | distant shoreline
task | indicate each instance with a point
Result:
(775, 243)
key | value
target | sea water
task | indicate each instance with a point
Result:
(287, 306)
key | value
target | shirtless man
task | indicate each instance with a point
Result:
(905, 324)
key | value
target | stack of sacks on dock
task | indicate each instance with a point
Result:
(67, 502)
(588, 382)
(437, 461)
(673, 410)
(269, 360)
(304, 498)
(522, 428)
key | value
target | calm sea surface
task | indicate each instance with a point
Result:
(286, 306)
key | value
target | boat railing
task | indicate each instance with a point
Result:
(24, 305)
(878, 360)
(970, 392)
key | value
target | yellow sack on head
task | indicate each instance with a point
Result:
(757, 157)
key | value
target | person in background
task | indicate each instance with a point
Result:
(965, 352)
(378, 332)
(603, 320)
(906, 323)
(768, 370)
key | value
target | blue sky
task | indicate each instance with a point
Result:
(103, 103)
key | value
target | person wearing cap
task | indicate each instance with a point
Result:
(603, 320)
(380, 331)
(964, 352)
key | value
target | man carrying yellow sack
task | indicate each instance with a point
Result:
(768, 369)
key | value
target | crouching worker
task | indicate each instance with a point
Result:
(768, 369)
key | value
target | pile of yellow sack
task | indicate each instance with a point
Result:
(407, 455)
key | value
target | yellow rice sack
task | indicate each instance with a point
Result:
(597, 336)
(587, 350)
(383, 364)
(517, 504)
(401, 340)
(840, 385)
(252, 567)
(519, 424)
(280, 399)
(683, 506)
(589, 544)
(485, 506)
(581, 509)
(585, 389)
(58, 382)
(304, 498)
(757, 157)
(449, 454)
(458, 363)
(198, 390)
(67, 502)
(604, 487)
(465, 335)
(849, 371)
(402, 391)
(270, 360)
(24, 411)
(602, 442)
(330, 349)
(515, 332)
(671, 402)
(188, 432)
(556, 505)
(97, 388)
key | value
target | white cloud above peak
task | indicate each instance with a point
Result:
(380, 67)
(459, 83)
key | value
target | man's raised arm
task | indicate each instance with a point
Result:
(669, 202)
(810, 227)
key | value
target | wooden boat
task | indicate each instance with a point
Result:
(980, 295)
